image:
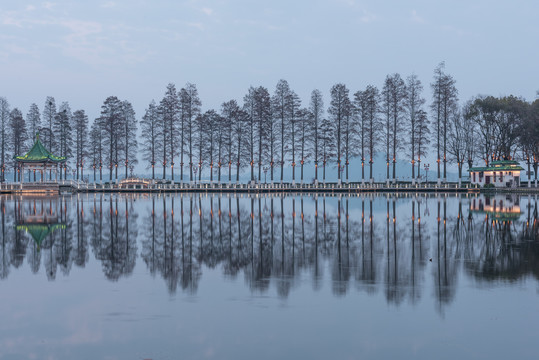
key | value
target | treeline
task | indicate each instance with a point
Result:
(270, 132)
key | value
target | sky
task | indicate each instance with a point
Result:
(85, 51)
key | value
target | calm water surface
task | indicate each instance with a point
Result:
(232, 277)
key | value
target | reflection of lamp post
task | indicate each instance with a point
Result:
(426, 167)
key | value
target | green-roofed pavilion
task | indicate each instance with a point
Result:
(38, 158)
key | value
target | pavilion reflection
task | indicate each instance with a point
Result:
(369, 243)
(43, 218)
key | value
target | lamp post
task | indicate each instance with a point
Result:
(426, 167)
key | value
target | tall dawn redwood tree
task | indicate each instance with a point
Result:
(393, 94)
(360, 105)
(249, 108)
(305, 137)
(295, 104)
(372, 125)
(33, 120)
(262, 113)
(17, 137)
(190, 105)
(327, 143)
(80, 127)
(129, 135)
(457, 138)
(46, 132)
(317, 111)
(111, 125)
(338, 109)
(150, 143)
(170, 116)
(280, 104)
(422, 131)
(96, 148)
(229, 113)
(444, 100)
(63, 130)
(414, 103)
(4, 128)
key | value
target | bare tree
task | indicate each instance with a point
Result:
(170, 116)
(49, 112)
(443, 105)
(96, 148)
(280, 102)
(129, 135)
(190, 108)
(372, 126)
(111, 125)
(317, 111)
(338, 109)
(295, 104)
(262, 113)
(18, 137)
(230, 112)
(305, 136)
(414, 102)
(211, 123)
(63, 130)
(4, 128)
(150, 131)
(393, 94)
(249, 108)
(457, 137)
(327, 144)
(422, 137)
(80, 125)
(33, 120)
(199, 145)
(223, 132)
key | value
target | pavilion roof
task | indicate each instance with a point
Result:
(39, 231)
(39, 154)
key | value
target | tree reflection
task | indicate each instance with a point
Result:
(370, 243)
(271, 239)
(116, 246)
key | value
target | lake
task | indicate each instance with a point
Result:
(201, 276)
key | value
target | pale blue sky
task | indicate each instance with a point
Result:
(84, 51)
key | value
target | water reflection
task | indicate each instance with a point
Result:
(367, 243)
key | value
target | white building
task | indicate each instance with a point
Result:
(503, 173)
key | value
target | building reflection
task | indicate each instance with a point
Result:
(369, 243)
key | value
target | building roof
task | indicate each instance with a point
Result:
(38, 154)
(499, 165)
